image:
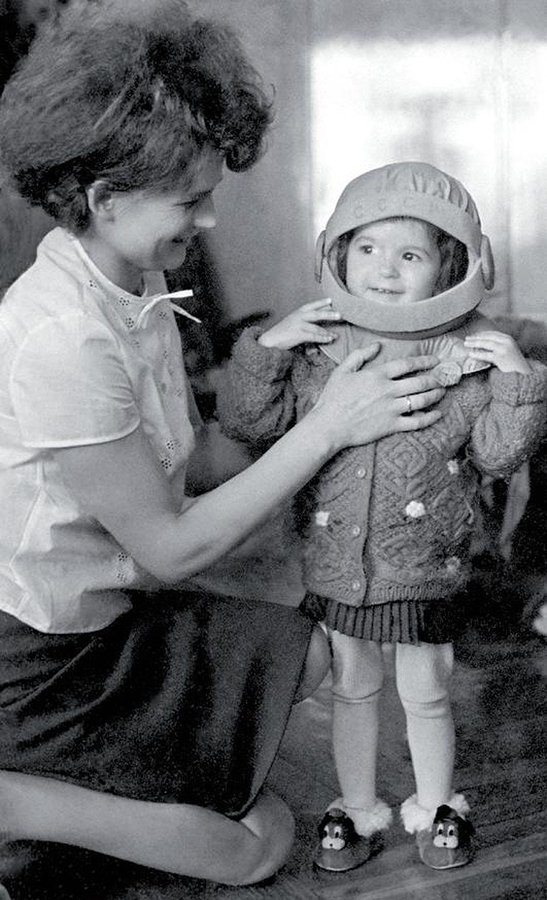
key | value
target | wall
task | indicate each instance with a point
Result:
(362, 82)
(263, 241)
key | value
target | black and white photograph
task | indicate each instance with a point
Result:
(273, 421)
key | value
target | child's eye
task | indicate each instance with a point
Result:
(365, 248)
(410, 256)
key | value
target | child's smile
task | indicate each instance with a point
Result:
(393, 261)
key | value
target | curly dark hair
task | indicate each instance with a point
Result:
(453, 253)
(136, 103)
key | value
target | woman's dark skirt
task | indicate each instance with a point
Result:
(184, 699)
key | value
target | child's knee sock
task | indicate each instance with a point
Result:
(355, 742)
(358, 673)
(431, 741)
(355, 748)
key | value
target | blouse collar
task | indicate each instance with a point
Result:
(133, 309)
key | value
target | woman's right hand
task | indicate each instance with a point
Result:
(359, 405)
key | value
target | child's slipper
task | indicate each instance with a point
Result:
(340, 847)
(448, 843)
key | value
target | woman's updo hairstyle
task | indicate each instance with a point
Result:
(134, 98)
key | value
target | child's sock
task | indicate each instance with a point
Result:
(355, 744)
(430, 729)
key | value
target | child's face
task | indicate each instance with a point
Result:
(393, 261)
(151, 231)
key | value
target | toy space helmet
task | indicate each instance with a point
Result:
(423, 192)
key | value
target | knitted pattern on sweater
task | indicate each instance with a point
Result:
(391, 520)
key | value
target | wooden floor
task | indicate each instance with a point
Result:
(499, 691)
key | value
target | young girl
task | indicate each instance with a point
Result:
(135, 719)
(388, 527)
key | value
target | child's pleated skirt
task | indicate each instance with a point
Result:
(183, 699)
(405, 622)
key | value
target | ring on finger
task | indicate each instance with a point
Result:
(408, 404)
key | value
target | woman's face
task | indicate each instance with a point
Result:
(138, 231)
(393, 261)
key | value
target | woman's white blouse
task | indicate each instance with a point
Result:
(81, 362)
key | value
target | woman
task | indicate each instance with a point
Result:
(140, 720)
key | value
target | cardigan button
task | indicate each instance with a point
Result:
(356, 530)
(355, 585)
(361, 472)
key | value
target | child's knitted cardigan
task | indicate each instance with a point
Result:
(391, 520)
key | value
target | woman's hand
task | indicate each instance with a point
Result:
(499, 349)
(300, 327)
(362, 405)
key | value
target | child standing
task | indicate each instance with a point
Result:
(388, 526)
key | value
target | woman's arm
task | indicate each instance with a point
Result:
(122, 485)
